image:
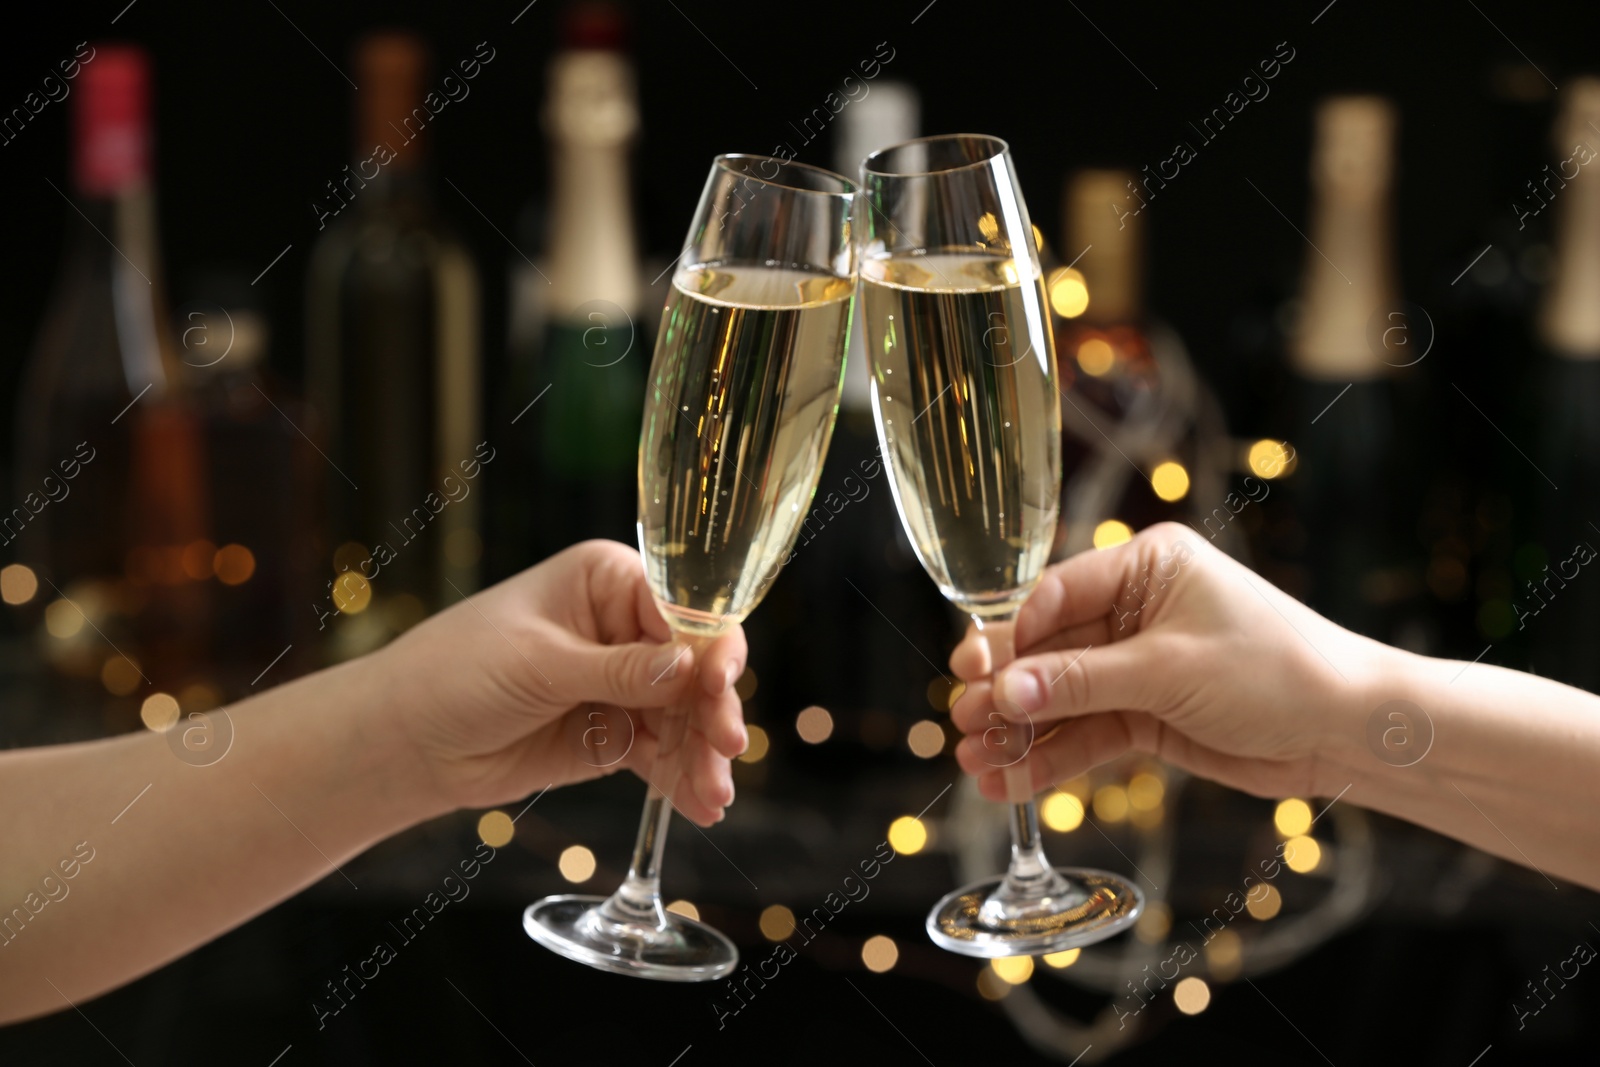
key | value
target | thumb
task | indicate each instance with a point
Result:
(636, 675)
(1123, 676)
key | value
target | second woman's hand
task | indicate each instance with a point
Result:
(1166, 646)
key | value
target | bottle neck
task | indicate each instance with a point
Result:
(592, 252)
(121, 234)
(1569, 321)
(1349, 278)
(1111, 274)
(1106, 245)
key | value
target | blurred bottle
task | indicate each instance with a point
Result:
(266, 485)
(578, 347)
(1133, 410)
(109, 490)
(888, 114)
(1348, 336)
(1556, 597)
(393, 364)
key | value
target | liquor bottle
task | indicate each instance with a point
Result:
(265, 483)
(108, 473)
(393, 364)
(584, 375)
(1555, 600)
(1133, 408)
(1346, 342)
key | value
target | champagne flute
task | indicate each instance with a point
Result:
(742, 397)
(965, 397)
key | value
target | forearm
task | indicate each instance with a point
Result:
(179, 853)
(1513, 767)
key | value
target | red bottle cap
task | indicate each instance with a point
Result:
(112, 121)
(595, 24)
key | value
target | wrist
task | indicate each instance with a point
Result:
(369, 697)
(1382, 730)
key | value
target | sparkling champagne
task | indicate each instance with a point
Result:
(964, 390)
(742, 397)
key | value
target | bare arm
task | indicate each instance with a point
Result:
(1166, 646)
(120, 856)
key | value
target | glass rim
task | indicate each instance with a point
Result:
(999, 146)
(848, 188)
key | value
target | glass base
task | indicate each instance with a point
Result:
(680, 950)
(1091, 906)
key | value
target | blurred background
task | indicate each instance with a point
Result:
(1327, 288)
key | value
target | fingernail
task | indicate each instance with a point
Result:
(1024, 690)
(745, 733)
(667, 663)
(730, 674)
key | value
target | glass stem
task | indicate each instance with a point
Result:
(1030, 881)
(638, 899)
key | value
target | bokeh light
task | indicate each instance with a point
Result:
(759, 743)
(880, 954)
(1112, 532)
(234, 564)
(1292, 817)
(159, 712)
(925, 739)
(576, 863)
(1069, 293)
(1302, 854)
(1170, 481)
(814, 725)
(907, 835)
(18, 584)
(495, 829)
(1265, 904)
(1096, 357)
(1111, 803)
(777, 922)
(1014, 970)
(1191, 995)
(1062, 812)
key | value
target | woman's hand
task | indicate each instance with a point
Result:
(1166, 646)
(561, 674)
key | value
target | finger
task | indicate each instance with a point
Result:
(650, 619)
(1137, 674)
(1077, 746)
(1078, 590)
(634, 675)
(707, 779)
(720, 719)
(723, 661)
(971, 658)
(971, 710)
(1072, 748)
(710, 773)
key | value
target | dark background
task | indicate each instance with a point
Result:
(251, 121)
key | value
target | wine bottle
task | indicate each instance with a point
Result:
(1555, 600)
(108, 485)
(592, 351)
(265, 482)
(1140, 432)
(1341, 391)
(393, 364)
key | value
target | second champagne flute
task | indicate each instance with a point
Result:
(739, 408)
(964, 393)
